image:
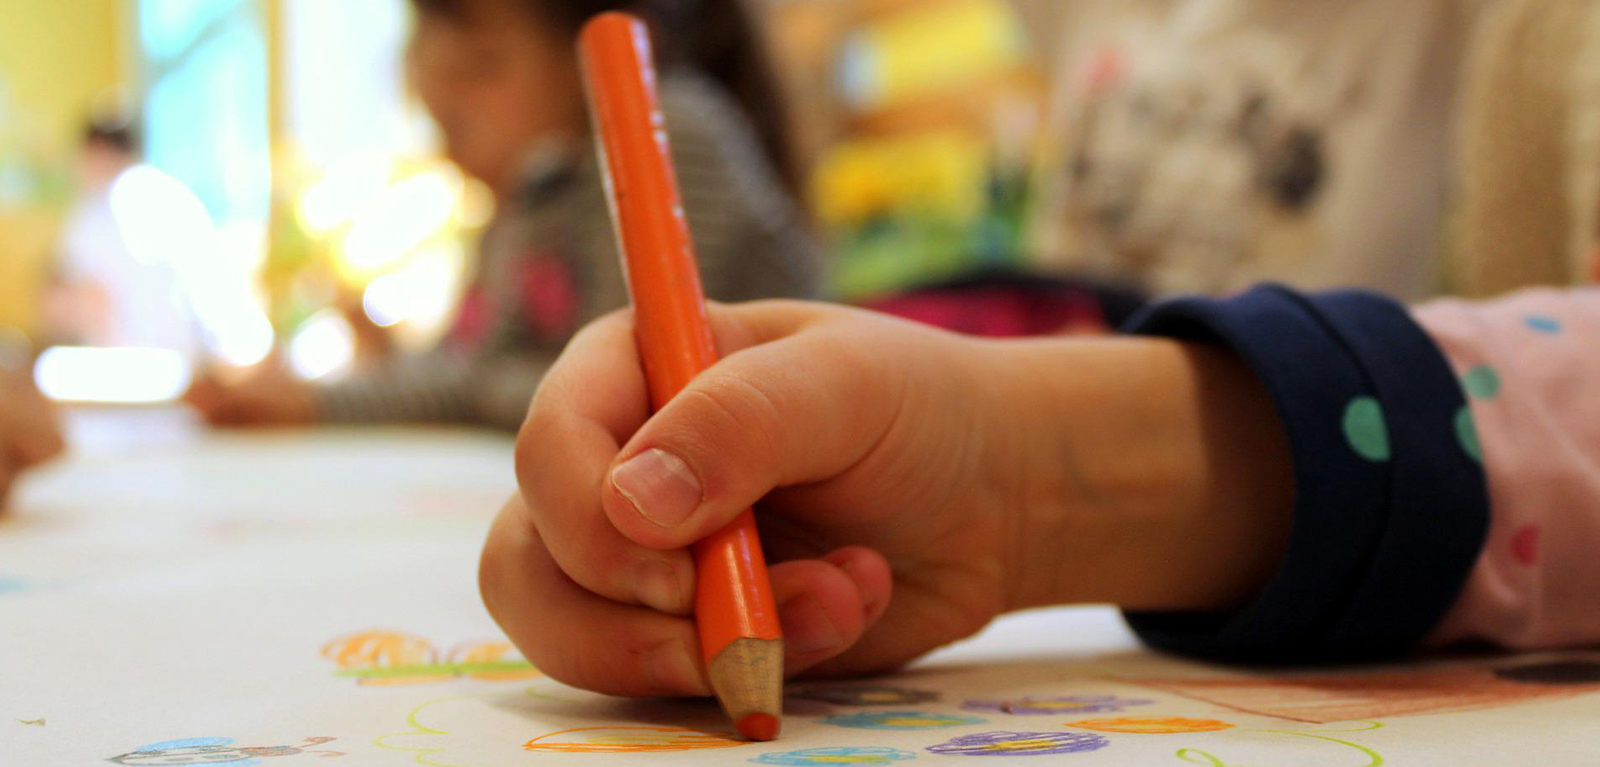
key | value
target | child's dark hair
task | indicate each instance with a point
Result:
(111, 131)
(718, 38)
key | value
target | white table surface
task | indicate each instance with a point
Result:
(165, 582)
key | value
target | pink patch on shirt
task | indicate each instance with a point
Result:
(1525, 545)
(1000, 312)
(1102, 71)
(472, 319)
(549, 296)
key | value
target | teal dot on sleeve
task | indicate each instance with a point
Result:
(1467, 434)
(1365, 429)
(1543, 323)
(1481, 382)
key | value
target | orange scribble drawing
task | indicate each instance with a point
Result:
(1152, 725)
(388, 658)
(384, 649)
(479, 658)
(630, 740)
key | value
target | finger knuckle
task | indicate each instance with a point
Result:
(488, 581)
(498, 548)
(529, 452)
(745, 409)
(577, 660)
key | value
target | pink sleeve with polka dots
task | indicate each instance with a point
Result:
(1530, 366)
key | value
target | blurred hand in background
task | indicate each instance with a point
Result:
(267, 394)
(30, 429)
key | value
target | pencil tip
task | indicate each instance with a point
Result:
(759, 726)
(747, 676)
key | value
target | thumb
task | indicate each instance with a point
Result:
(798, 410)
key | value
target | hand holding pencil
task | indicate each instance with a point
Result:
(912, 486)
(597, 590)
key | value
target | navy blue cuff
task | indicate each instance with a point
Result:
(1391, 505)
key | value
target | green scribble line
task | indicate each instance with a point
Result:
(1377, 759)
(437, 669)
(1205, 759)
(417, 728)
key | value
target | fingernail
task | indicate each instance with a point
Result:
(671, 669)
(658, 587)
(806, 628)
(659, 485)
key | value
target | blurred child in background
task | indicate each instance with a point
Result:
(1205, 145)
(111, 287)
(501, 79)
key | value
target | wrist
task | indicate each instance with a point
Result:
(1159, 478)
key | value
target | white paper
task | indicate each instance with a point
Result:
(290, 598)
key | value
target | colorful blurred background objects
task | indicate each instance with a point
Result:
(276, 193)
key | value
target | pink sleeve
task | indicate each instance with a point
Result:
(1530, 365)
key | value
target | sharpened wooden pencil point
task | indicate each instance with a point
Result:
(747, 677)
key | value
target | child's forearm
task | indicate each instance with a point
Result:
(1163, 461)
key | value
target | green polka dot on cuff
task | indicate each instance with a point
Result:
(1543, 324)
(1481, 382)
(1366, 430)
(1467, 434)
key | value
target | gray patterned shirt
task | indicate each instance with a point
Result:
(550, 266)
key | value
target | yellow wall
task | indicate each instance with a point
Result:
(56, 58)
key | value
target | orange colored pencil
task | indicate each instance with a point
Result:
(740, 639)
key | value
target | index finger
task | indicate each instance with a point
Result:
(598, 379)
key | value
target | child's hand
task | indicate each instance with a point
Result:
(913, 484)
(268, 395)
(30, 429)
